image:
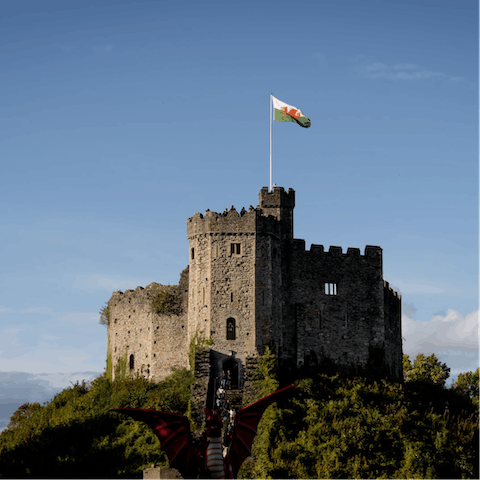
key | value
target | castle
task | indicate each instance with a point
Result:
(250, 283)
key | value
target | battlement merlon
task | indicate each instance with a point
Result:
(391, 292)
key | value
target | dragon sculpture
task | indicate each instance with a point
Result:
(205, 458)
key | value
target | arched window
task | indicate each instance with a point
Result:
(231, 334)
(131, 362)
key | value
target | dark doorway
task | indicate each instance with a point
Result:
(311, 360)
(232, 366)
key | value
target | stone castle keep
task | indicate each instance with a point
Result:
(250, 283)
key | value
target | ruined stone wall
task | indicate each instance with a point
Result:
(157, 341)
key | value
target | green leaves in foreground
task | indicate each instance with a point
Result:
(75, 436)
(336, 427)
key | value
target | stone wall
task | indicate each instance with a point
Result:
(200, 387)
(335, 303)
(393, 331)
(147, 342)
(155, 472)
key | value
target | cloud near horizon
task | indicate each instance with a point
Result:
(453, 338)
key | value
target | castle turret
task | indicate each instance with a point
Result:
(279, 204)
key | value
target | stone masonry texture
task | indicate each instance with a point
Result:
(249, 284)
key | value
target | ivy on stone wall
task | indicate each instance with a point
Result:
(197, 343)
(121, 368)
(167, 302)
(109, 369)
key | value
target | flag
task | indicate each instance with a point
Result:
(287, 113)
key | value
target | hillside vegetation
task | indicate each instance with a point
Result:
(332, 427)
(75, 435)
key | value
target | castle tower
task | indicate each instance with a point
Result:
(222, 286)
(235, 277)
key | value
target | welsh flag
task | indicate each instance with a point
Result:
(287, 113)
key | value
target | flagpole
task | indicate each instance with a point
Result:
(271, 134)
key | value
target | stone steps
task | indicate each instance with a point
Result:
(234, 398)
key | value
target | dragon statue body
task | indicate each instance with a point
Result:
(208, 458)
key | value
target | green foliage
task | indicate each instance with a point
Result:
(468, 384)
(425, 369)
(167, 302)
(104, 315)
(197, 344)
(331, 427)
(121, 367)
(265, 376)
(109, 369)
(338, 427)
(75, 435)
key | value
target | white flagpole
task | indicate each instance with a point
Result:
(271, 133)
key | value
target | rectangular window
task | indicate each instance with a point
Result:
(192, 253)
(235, 249)
(331, 289)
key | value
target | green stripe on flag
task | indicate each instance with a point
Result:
(284, 117)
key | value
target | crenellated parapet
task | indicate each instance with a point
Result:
(371, 252)
(390, 293)
(228, 222)
(277, 198)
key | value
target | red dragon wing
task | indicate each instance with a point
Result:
(245, 429)
(173, 431)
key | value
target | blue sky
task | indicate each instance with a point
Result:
(120, 119)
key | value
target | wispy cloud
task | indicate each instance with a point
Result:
(320, 58)
(103, 48)
(426, 286)
(109, 283)
(67, 48)
(36, 310)
(397, 71)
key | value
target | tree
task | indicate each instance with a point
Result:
(425, 369)
(468, 384)
(104, 312)
(23, 413)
